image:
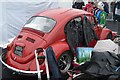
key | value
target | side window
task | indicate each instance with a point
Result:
(74, 32)
(75, 23)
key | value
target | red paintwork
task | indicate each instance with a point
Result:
(114, 34)
(104, 34)
(56, 38)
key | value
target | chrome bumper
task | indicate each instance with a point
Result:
(22, 72)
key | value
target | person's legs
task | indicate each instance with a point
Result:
(118, 18)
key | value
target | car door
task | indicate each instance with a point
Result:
(89, 33)
(74, 32)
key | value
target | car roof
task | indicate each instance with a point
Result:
(61, 13)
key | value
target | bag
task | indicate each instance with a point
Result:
(101, 64)
(83, 54)
(106, 45)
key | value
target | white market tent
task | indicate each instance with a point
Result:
(15, 13)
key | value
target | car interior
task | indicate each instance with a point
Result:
(78, 32)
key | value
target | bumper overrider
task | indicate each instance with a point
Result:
(17, 71)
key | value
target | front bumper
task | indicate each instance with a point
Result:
(21, 72)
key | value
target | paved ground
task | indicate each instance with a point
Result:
(115, 26)
(0, 70)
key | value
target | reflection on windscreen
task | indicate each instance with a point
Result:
(43, 24)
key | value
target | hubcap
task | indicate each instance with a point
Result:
(64, 62)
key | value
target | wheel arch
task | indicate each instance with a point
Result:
(68, 52)
(60, 47)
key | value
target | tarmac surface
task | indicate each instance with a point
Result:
(115, 26)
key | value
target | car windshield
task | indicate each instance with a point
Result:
(43, 24)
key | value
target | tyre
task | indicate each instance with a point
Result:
(65, 61)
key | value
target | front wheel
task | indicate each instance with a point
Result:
(65, 62)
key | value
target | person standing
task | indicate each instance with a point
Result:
(101, 14)
(78, 4)
(116, 11)
(89, 7)
(116, 15)
(106, 7)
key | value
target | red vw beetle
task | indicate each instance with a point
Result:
(63, 29)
